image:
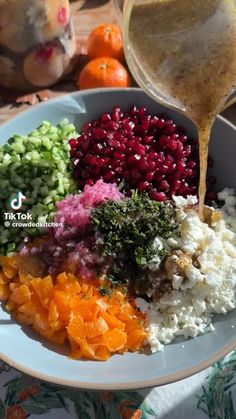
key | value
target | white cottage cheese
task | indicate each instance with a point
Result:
(204, 290)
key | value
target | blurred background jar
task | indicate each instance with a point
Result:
(37, 43)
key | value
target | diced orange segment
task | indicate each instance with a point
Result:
(40, 325)
(112, 321)
(96, 328)
(59, 338)
(21, 295)
(28, 309)
(131, 325)
(76, 329)
(87, 351)
(44, 289)
(10, 265)
(102, 353)
(62, 301)
(62, 278)
(114, 339)
(3, 278)
(4, 292)
(72, 309)
(136, 339)
(53, 316)
(87, 308)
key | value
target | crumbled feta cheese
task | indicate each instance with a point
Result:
(177, 281)
(207, 287)
(182, 202)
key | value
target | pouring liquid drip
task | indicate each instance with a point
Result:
(187, 52)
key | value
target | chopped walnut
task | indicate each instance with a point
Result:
(176, 263)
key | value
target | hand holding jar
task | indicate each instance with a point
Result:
(37, 43)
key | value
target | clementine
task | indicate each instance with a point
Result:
(103, 72)
(106, 41)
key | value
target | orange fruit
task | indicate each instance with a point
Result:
(103, 72)
(106, 41)
(27, 392)
(15, 412)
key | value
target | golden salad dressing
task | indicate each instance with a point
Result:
(187, 50)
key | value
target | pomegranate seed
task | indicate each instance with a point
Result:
(86, 174)
(73, 142)
(159, 177)
(191, 164)
(158, 196)
(144, 186)
(99, 133)
(135, 174)
(127, 175)
(181, 167)
(114, 126)
(175, 186)
(183, 138)
(132, 160)
(105, 118)
(164, 185)
(148, 139)
(142, 112)
(173, 145)
(87, 127)
(164, 141)
(188, 172)
(170, 128)
(140, 149)
(153, 156)
(101, 162)
(160, 123)
(143, 164)
(187, 151)
(97, 148)
(149, 176)
(109, 176)
(115, 116)
(149, 152)
(119, 171)
(119, 156)
(152, 165)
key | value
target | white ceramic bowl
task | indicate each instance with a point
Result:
(23, 350)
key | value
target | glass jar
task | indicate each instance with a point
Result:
(37, 43)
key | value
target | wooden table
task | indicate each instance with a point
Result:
(86, 15)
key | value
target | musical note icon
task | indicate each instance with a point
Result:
(16, 203)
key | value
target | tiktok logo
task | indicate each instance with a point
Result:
(16, 203)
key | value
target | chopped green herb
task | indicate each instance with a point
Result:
(105, 291)
(113, 280)
(128, 229)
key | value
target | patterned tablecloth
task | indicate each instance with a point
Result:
(209, 394)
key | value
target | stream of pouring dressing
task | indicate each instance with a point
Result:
(187, 50)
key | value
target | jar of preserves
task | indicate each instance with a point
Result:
(37, 43)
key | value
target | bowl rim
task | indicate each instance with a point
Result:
(89, 92)
(133, 385)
